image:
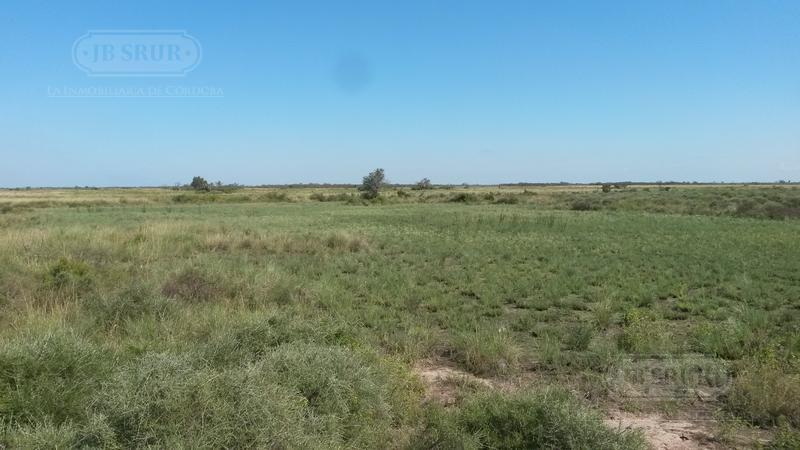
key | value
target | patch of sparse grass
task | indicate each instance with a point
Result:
(486, 351)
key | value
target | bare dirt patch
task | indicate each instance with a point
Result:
(442, 381)
(662, 433)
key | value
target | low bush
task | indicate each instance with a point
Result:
(463, 197)
(584, 205)
(191, 285)
(246, 339)
(642, 333)
(539, 419)
(135, 301)
(787, 438)
(580, 336)
(49, 377)
(294, 396)
(486, 352)
(507, 200)
(95, 433)
(346, 242)
(69, 274)
(724, 340)
(195, 198)
(164, 400)
(765, 394)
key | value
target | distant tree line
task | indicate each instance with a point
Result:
(370, 186)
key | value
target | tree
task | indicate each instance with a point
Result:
(372, 183)
(199, 184)
(423, 184)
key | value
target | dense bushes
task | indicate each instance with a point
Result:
(760, 203)
(56, 391)
(164, 400)
(49, 377)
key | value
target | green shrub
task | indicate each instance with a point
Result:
(440, 430)
(346, 242)
(49, 377)
(463, 197)
(764, 394)
(486, 351)
(135, 301)
(787, 438)
(164, 400)
(550, 354)
(69, 274)
(347, 396)
(643, 334)
(603, 314)
(539, 419)
(295, 395)
(584, 205)
(95, 433)
(724, 340)
(779, 211)
(580, 336)
(246, 339)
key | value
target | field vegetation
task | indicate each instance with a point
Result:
(421, 317)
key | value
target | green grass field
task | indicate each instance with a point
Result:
(449, 318)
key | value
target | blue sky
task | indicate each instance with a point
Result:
(456, 91)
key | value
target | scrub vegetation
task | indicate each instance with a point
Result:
(313, 317)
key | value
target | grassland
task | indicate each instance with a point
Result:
(446, 318)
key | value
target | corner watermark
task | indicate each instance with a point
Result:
(168, 91)
(677, 379)
(136, 54)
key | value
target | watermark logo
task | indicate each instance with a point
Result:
(136, 53)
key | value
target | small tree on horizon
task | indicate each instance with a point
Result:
(199, 184)
(423, 184)
(372, 184)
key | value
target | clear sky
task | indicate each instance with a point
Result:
(456, 91)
